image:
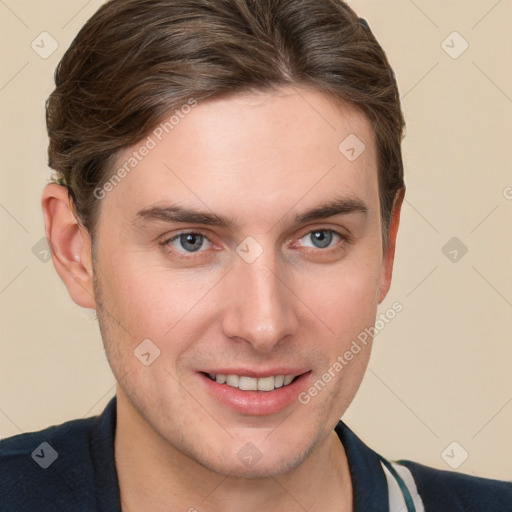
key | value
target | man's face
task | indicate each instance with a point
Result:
(261, 286)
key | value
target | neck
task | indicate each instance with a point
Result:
(156, 476)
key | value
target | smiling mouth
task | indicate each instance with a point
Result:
(246, 383)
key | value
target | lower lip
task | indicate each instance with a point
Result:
(256, 403)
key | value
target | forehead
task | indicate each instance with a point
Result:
(258, 153)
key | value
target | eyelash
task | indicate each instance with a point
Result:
(185, 255)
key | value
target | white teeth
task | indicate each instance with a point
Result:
(279, 381)
(288, 379)
(252, 383)
(232, 380)
(248, 384)
(266, 383)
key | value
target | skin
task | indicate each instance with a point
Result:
(258, 159)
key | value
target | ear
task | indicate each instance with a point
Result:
(389, 251)
(70, 244)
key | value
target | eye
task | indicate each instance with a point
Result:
(320, 238)
(187, 242)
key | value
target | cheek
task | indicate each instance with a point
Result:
(345, 298)
(345, 305)
(152, 301)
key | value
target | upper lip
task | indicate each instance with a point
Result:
(246, 372)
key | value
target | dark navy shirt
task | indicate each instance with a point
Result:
(71, 468)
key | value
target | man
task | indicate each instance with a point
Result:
(229, 189)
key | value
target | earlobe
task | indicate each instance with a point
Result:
(389, 251)
(70, 244)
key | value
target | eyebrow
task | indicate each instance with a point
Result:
(174, 213)
(341, 206)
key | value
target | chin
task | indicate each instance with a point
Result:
(262, 467)
(254, 457)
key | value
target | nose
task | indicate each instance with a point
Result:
(261, 308)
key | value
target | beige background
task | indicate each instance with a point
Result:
(441, 371)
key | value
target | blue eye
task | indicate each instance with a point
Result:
(321, 238)
(187, 242)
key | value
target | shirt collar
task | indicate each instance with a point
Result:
(369, 484)
(103, 457)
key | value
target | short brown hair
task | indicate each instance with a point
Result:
(135, 61)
